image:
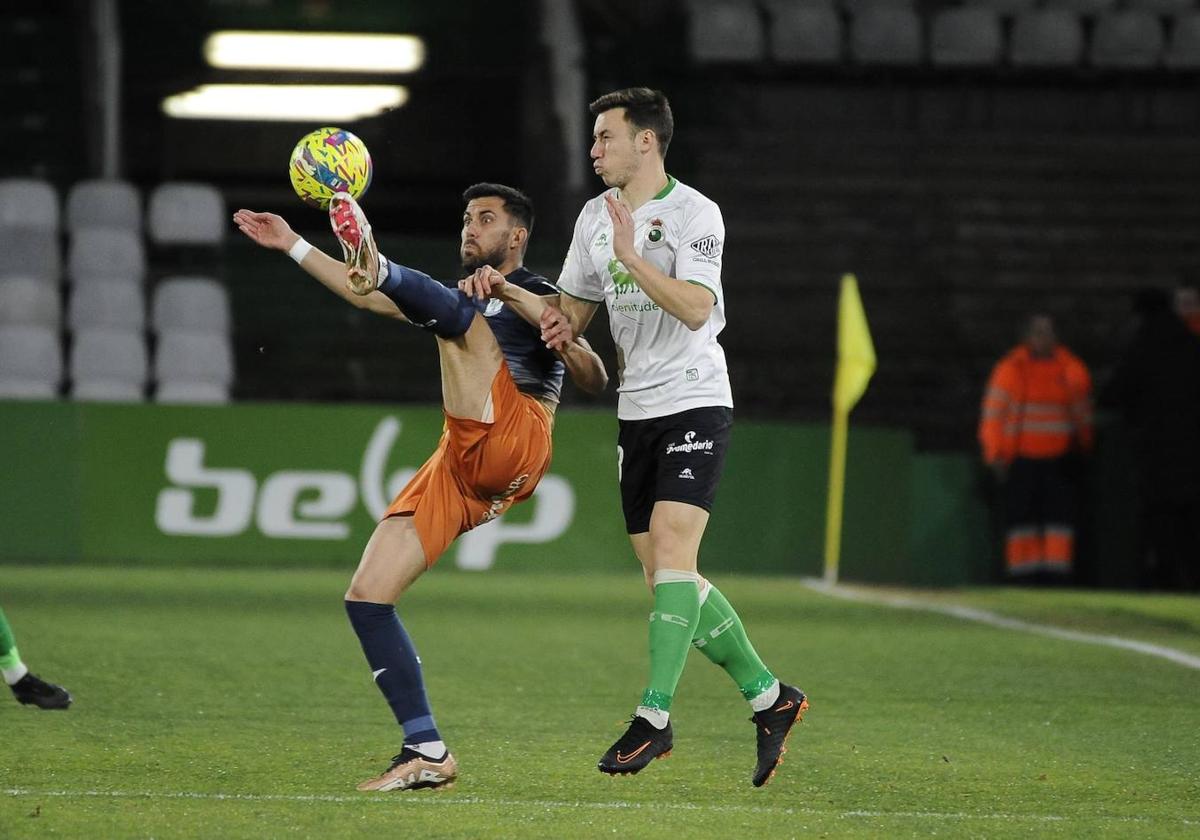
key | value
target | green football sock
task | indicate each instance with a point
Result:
(721, 637)
(672, 626)
(9, 657)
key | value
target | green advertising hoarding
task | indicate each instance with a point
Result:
(295, 484)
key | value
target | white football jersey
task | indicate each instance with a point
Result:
(663, 367)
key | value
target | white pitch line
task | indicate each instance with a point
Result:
(1175, 655)
(435, 798)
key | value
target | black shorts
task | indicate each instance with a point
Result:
(677, 458)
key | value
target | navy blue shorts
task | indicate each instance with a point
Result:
(678, 458)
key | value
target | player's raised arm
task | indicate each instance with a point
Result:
(271, 231)
(690, 303)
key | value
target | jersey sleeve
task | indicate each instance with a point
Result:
(702, 239)
(540, 286)
(578, 277)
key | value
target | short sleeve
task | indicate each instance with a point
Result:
(698, 258)
(578, 277)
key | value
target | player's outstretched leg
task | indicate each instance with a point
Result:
(26, 687)
(424, 301)
(777, 707)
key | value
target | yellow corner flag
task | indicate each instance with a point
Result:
(855, 352)
(855, 365)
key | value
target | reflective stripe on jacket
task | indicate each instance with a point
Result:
(1035, 408)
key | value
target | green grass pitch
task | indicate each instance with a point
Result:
(230, 704)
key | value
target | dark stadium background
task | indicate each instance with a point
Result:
(963, 198)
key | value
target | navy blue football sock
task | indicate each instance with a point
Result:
(427, 303)
(397, 670)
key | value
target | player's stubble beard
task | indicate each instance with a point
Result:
(480, 258)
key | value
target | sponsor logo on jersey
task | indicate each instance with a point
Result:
(622, 280)
(601, 241)
(627, 308)
(494, 307)
(686, 472)
(707, 246)
(691, 375)
(690, 444)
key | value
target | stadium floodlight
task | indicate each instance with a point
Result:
(325, 52)
(297, 103)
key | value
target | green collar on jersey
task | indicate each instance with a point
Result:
(671, 182)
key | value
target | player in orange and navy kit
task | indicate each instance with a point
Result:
(500, 387)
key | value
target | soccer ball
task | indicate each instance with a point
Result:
(328, 161)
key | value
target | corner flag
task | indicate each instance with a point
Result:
(855, 351)
(855, 365)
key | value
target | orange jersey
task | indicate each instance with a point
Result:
(479, 469)
(1036, 408)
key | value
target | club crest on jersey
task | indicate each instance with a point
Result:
(656, 237)
(707, 246)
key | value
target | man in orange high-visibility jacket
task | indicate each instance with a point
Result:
(1036, 413)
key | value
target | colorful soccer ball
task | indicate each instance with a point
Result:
(328, 161)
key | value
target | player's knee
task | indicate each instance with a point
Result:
(357, 591)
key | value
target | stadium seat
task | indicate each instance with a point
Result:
(28, 203)
(1005, 8)
(1161, 7)
(854, 7)
(30, 252)
(886, 36)
(106, 253)
(107, 304)
(186, 214)
(1046, 38)
(28, 300)
(108, 365)
(30, 362)
(1087, 8)
(191, 367)
(104, 203)
(190, 304)
(721, 31)
(1183, 48)
(1127, 40)
(966, 37)
(803, 34)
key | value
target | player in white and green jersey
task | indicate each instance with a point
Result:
(648, 250)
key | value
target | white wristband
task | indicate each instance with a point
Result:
(299, 250)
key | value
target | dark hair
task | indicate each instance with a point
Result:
(516, 203)
(644, 109)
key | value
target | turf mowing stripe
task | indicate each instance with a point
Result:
(442, 798)
(1179, 657)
